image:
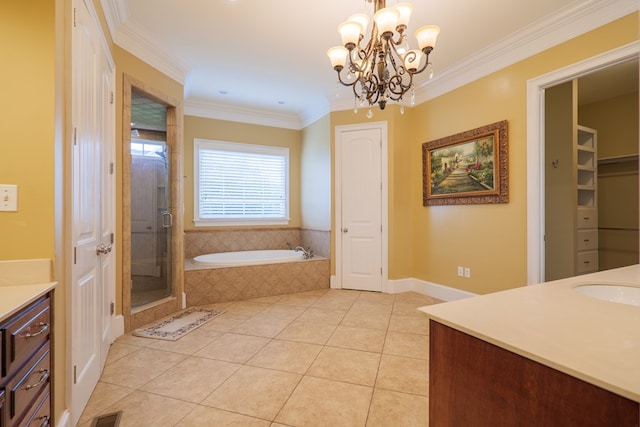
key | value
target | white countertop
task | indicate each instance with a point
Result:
(22, 281)
(593, 340)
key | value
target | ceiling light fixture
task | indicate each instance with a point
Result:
(383, 69)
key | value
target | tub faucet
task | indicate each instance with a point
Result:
(289, 245)
(306, 253)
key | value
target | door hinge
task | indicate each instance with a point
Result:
(381, 271)
(75, 23)
(112, 98)
(111, 169)
(75, 136)
(112, 308)
(75, 376)
(75, 252)
(112, 238)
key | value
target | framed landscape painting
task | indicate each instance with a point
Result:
(467, 168)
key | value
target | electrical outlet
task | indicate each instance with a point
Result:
(8, 198)
(460, 271)
(467, 272)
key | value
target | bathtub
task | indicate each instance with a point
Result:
(240, 258)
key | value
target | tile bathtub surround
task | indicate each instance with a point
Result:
(298, 359)
(318, 241)
(199, 242)
(246, 282)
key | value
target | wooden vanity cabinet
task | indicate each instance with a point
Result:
(26, 366)
(475, 383)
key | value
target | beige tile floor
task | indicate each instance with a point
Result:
(318, 358)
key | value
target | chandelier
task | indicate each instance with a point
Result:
(382, 70)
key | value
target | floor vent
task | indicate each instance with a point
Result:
(107, 420)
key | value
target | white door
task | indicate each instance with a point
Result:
(359, 157)
(92, 208)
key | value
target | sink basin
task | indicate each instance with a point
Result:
(623, 294)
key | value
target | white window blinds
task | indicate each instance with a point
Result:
(240, 184)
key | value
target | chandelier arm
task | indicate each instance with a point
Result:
(396, 81)
(345, 83)
(424, 67)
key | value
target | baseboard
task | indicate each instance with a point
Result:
(117, 326)
(441, 292)
(65, 419)
(333, 283)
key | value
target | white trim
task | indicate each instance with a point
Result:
(212, 110)
(384, 175)
(65, 419)
(441, 292)
(133, 39)
(115, 13)
(117, 326)
(535, 146)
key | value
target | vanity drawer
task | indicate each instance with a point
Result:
(587, 262)
(39, 415)
(587, 240)
(23, 334)
(587, 218)
(29, 383)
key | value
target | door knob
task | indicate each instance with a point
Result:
(103, 249)
(345, 230)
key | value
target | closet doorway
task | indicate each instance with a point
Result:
(538, 165)
(152, 262)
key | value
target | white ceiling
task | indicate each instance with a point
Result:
(266, 61)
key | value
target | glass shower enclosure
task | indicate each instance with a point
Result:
(151, 222)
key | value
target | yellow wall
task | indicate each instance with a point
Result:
(616, 121)
(315, 176)
(30, 146)
(490, 239)
(220, 130)
(27, 76)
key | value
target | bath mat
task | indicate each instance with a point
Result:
(178, 325)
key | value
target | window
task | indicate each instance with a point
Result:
(147, 148)
(240, 184)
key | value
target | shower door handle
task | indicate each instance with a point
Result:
(167, 219)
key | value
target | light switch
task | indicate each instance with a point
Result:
(8, 198)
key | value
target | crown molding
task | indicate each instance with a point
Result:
(566, 24)
(212, 110)
(131, 38)
(570, 22)
(115, 13)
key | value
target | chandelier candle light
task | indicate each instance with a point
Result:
(383, 69)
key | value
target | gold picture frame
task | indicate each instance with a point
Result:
(467, 168)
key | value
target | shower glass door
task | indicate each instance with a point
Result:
(151, 221)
